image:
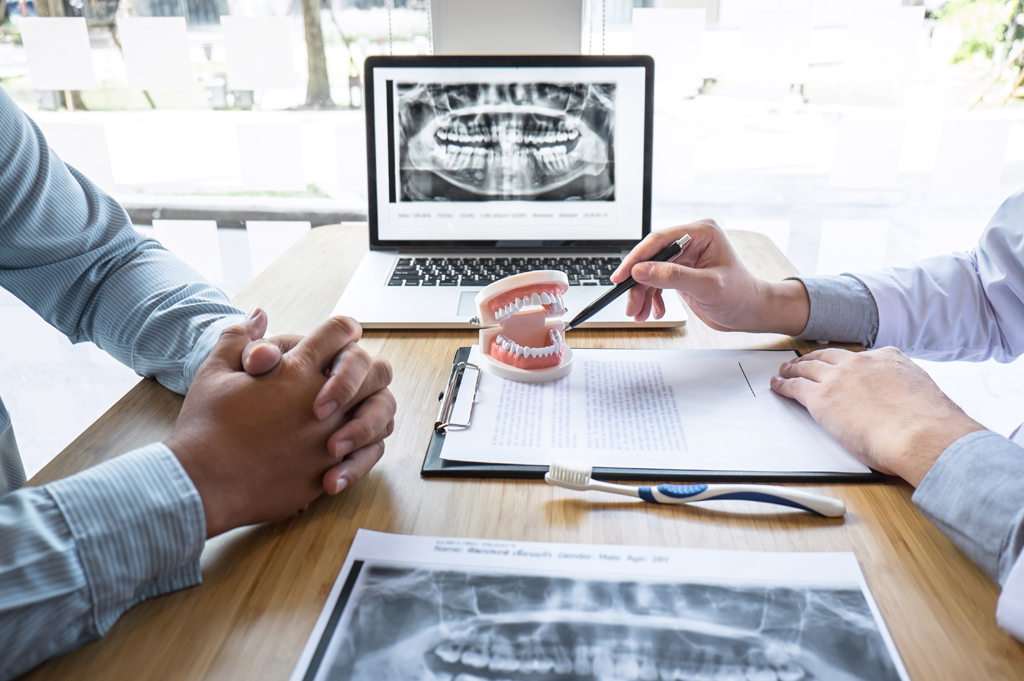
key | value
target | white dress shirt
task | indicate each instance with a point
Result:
(962, 306)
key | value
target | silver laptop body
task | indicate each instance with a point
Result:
(485, 166)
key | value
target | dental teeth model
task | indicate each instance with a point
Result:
(521, 341)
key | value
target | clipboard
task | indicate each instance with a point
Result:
(466, 376)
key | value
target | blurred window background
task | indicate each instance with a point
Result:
(854, 133)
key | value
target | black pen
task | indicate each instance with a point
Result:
(669, 252)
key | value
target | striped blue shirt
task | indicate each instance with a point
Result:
(76, 553)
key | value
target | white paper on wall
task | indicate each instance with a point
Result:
(351, 144)
(84, 147)
(939, 237)
(852, 245)
(195, 242)
(271, 157)
(259, 52)
(156, 53)
(775, 46)
(674, 38)
(268, 239)
(58, 55)
(883, 44)
(776, 230)
(867, 154)
(970, 156)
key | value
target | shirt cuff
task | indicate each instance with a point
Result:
(201, 350)
(973, 493)
(139, 528)
(842, 310)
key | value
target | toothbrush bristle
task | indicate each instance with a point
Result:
(572, 472)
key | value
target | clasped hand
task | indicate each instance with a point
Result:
(270, 425)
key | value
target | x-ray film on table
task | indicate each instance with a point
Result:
(660, 409)
(433, 609)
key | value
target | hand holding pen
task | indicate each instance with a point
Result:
(714, 283)
(666, 254)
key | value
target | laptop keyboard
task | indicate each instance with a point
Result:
(592, 271)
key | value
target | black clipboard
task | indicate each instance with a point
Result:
(463, 373)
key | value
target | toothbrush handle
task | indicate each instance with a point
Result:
(771, 494)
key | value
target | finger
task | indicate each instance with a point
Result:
(696, 282)
(377, 379)
(811, 370)
(348, 373)
(647, 249)
(827, 355)
(373, 420)
(227, 352)
(635, 300)
(658, 305)
(259, 357)
(320, 347)
(257, 320)
(645, 308)
(285, 342)
(356, 465)
(799, 389)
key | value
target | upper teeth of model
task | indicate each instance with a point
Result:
(554, 300)
(509, 345)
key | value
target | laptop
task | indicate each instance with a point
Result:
(481, 167)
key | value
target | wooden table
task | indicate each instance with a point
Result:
(264, 586)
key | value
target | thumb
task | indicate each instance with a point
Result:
(670, 275)
(227, 353)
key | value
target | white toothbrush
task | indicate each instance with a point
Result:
(576, 476)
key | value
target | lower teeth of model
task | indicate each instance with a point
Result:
(510, 346)
(531, 300)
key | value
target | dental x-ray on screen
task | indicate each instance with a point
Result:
(537, 141)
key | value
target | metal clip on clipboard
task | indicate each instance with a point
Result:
(450, 396)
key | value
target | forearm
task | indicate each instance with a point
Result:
(76, 553)
(69, 251)
(973, 493)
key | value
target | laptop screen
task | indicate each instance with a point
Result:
(509, 151)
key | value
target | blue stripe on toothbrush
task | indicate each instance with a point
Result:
(687, 491)
(681, 491)
(673, 491)
(767, 498)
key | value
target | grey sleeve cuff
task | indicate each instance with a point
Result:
(139, 528)
(842, 310)
(973, 493)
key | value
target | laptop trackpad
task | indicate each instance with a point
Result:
(467, 306)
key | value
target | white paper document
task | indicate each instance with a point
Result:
(664, 409)
(454, 609)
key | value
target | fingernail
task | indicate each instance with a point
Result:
(255, 313)
(326, 409)
(342, 448)
(341, 484)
